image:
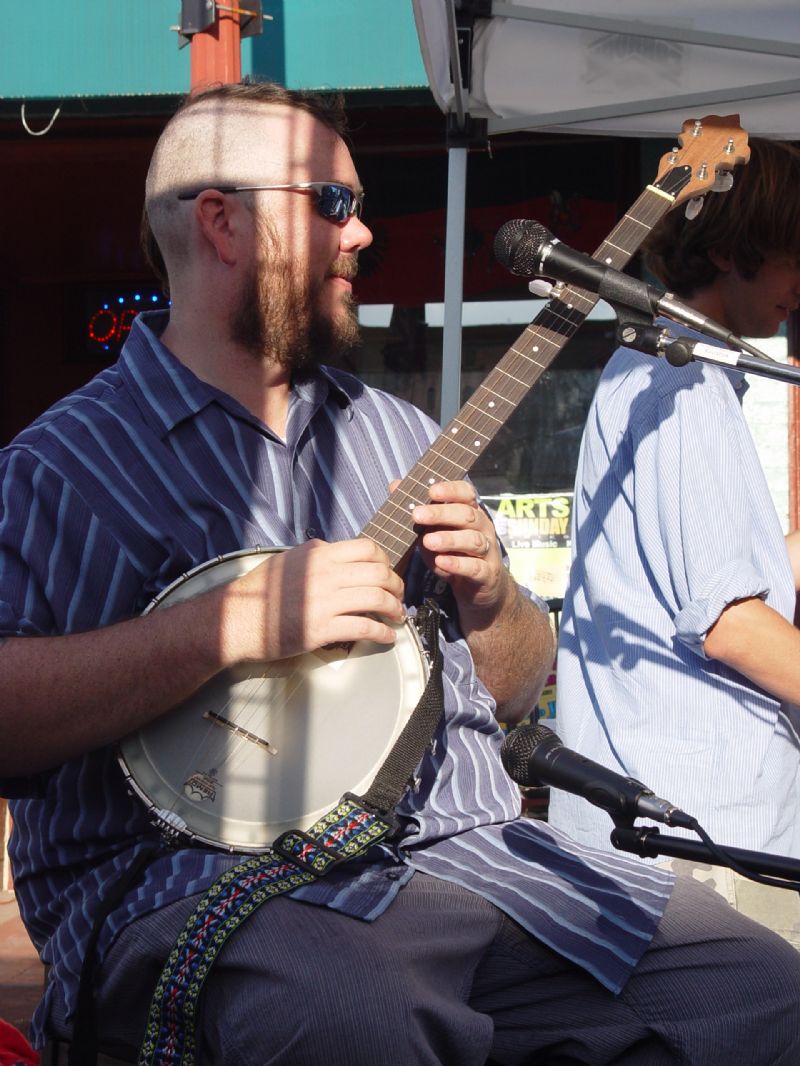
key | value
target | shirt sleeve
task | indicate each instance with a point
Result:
(694, 512)
(27, 534)
(53, 557)
(53, 552)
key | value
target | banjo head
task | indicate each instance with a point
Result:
(268, 747)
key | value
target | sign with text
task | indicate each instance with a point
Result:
(535, 529)
(106, 315)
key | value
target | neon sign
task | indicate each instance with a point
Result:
(109, 314)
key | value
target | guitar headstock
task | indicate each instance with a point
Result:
(709, 148)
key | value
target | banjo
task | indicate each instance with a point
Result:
(268, 747)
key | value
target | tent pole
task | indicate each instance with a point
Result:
(793, 339)
(453, 282)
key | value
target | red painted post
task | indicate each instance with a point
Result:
(216, 52)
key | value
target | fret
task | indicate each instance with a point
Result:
(472, 430)
(486, 410)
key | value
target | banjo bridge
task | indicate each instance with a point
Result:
(226, 723)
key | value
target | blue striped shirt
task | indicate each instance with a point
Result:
(672, 521)
(146, 472)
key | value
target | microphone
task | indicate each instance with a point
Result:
(528, 248)
(533, 755)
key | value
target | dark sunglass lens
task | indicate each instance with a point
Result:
(337, 202)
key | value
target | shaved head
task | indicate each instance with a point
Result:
(276, 273)
(230, 135)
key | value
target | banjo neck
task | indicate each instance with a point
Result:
(707, 147)
(460, 444)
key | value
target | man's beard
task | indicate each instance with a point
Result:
(279, 317)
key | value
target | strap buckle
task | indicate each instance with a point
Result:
(303, 850)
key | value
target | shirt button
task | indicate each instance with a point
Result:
(394, 875)
(311, 532)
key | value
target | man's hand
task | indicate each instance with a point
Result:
(310, 596)
(509, 637)
(459, 544)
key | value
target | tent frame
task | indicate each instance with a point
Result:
(464, 130)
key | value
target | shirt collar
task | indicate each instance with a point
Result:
(168, 393)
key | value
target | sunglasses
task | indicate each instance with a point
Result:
(335, 201)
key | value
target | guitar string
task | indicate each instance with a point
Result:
(626, 237)
(242, 745)
(248, 716)
(616, 250)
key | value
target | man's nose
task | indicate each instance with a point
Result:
(354, 235)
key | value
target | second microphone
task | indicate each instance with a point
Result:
(534, 755)
(529, 249)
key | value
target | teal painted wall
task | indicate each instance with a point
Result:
(337, 44)
(64, 48)
(67, 48)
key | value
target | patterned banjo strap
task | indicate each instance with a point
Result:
(353, 826)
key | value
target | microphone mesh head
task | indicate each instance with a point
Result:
(517, 749)
(518, 243)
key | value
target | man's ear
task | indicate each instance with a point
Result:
(723, 263)
(217, 220)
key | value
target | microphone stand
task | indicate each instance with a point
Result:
(680, 350)
(648, 843)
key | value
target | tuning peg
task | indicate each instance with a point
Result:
(540, 287)
(693, 207)
(723, 182)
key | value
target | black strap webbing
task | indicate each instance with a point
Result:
(391, 780)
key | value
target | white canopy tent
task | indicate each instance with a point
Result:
(621, 67)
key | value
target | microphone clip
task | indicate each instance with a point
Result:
(641, 333)
(657, 341)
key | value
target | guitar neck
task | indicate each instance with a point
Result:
(454, 452)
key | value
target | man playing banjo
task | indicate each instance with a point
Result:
(467, 933)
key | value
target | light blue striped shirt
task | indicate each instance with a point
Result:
(143, 474)
(673, 520)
